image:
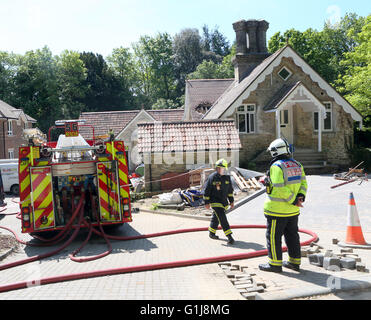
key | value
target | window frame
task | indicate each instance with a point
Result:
(330, 111)
(10, 127)
(250, 118)
(288, 70)
(11, 153)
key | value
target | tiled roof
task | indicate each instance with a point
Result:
(188, 136)
(167, 114)
(118, 120)
(104, 121)
(203, 91)
(7, 111)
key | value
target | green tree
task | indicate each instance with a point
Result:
(105, 90)
(214, 41)
(355, 83)
(187, 55)
(323, 50)
(158, 51)
(71, 76)
(36, 87)
(211, 70)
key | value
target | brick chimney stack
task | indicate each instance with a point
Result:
(251, 47)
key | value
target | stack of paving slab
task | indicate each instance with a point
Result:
(246, 282)
(333, 261)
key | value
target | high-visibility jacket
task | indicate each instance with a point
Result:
(288, 179)
(218, 190)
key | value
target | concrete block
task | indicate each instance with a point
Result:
(243, 277)
(249, 295)
(335, 241)
(348, 263)
(228, 264)
(329, 253)
(347, 250)
(314, 249)
(316, 259)
(230, 274)
(255, 289)
(331, 263)
(247, 283)
(260, 283)
(304, 253)
(353, 256)
(244, 286)
(361, 267)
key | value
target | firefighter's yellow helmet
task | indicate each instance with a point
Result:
(221, 163)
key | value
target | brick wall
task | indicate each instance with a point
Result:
(13, 141)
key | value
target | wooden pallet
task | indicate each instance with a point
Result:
(243, 184)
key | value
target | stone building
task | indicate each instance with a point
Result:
(12, 124)
(276, 95)
(170, 150)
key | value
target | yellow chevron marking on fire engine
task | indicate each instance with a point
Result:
(104, 196)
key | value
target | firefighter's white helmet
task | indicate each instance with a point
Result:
(279, 147)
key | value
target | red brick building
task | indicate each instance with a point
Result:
(12, 123)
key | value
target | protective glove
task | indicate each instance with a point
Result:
(300, 198)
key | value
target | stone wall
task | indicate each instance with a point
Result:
(334, 143)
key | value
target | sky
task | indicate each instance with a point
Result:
(102, 25)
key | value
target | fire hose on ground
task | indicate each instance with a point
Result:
(122, 270)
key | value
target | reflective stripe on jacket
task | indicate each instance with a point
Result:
(288, 179)
(218, 191)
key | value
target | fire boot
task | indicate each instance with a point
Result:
(230, 239)
(270, 268)
(213, 236)
(291, 266)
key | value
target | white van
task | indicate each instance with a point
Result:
(9, 173)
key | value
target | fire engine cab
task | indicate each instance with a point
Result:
(55, 177)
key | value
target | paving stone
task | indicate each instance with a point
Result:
(328, 253)
(331, 263)
(255, 289)
(244, 286)
(228, 264)
(335, 241)
(243, 277)
(316, 259)
(347, 250)
(348, 263)
(249, 295)
(260, 283)
(238, 282)
(304, 253)
(361, 267)
(353, 256)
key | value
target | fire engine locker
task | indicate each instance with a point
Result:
(42, 197)
(108, 191)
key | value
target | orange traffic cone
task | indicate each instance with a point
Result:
(354, 229)
(354, 236)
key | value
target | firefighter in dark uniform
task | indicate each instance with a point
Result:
(218, 195)
(286, 190)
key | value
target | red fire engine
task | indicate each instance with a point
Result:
(59, 179)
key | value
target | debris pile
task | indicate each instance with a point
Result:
(353, 174)
(333, 261)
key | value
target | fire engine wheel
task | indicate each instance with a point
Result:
(14, 189)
